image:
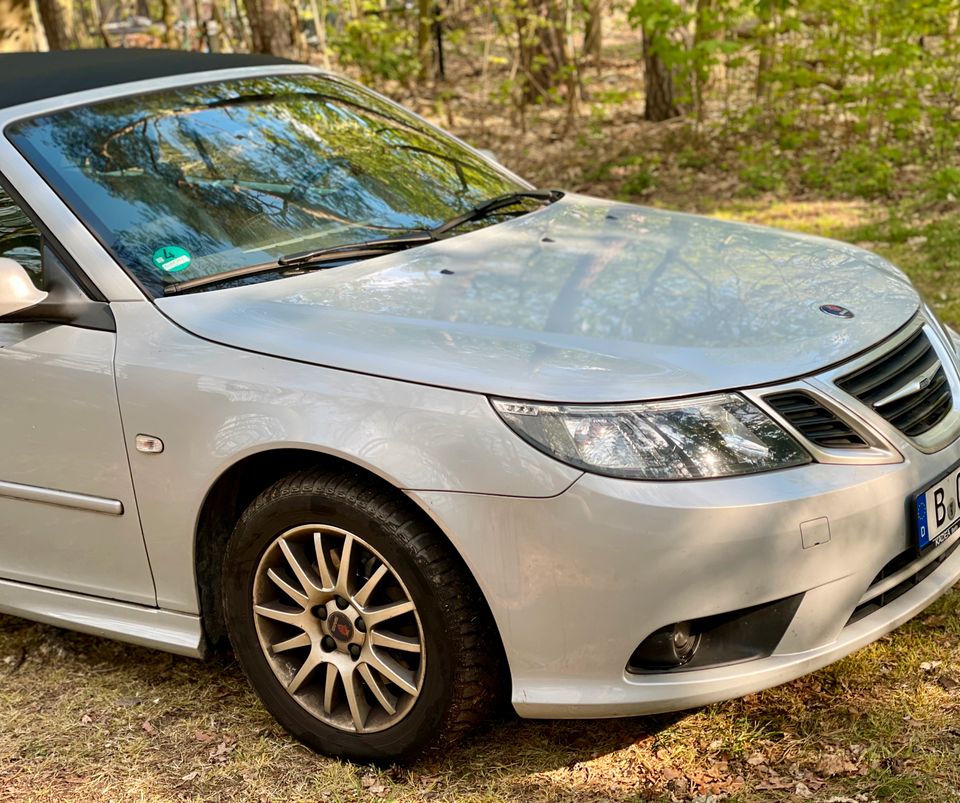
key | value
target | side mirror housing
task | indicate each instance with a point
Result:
(17, 292)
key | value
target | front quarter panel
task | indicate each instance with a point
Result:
(213, 405)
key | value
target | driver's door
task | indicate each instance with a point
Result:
(68, 516)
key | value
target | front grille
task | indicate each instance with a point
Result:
(899, 563)
(814, 421)
(907, 386)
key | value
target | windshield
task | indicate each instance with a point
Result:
(201, 180)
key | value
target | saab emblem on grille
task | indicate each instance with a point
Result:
(836, 311)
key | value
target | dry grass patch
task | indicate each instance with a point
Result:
(89, 719)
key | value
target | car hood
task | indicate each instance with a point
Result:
(583, 300)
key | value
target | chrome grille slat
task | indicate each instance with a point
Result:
(869, 384)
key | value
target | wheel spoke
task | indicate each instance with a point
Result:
(382, 613)
(343, 575)
(302, 572)
(301, 640)
(376, 687)
(329, 687)
(290, 590)
(326, 576)
(359, 707)
(279, 613)
(304, 672)
(364, 593)
(393, 672)
(394, 642)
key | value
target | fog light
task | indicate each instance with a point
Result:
(668, 647)
(723, 638)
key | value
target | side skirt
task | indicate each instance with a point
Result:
(179, 633)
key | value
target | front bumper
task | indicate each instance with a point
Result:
(577, 581)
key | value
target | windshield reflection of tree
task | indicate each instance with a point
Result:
(248, 171)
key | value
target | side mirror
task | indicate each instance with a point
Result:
(17, 292)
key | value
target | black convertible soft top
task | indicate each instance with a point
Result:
(26, 77)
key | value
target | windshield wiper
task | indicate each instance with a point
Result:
(487, 208)
(311, 259)
(387, 244)
(366, 249)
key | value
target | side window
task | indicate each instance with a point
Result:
(20, 239)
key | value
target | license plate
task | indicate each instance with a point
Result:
(938, 511)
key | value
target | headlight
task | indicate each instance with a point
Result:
(708, 436)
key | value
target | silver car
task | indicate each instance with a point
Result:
(286, 366)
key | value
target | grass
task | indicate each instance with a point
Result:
(83, 718)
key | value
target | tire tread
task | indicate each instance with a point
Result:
(477, 665)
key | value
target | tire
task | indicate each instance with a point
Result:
(282, 610)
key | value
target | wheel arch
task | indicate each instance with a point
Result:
(233, 491)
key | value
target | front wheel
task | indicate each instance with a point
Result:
(354, 621)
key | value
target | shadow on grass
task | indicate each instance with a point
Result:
(108, 673)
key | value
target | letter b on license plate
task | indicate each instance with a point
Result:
(938, 511)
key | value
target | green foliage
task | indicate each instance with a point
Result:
(636, 184)
(944, 184)
(762, 168)
(379, 41)
(860, 171)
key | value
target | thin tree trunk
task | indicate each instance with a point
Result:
(223, 40)
(704, 29)
(51, 15)
(593, 32)
(764, 51)
(659, 103)
(40, 35)
(201, 29)
(168, 10)
(425, 22)
(320, 29)
(97, 12)
(542, 46)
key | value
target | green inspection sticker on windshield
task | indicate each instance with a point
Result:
(172, 258)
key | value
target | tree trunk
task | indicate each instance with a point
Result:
(168, 10)
(704, 30)
(52, 17)
(425, 22)
(16, 26)
(764, 50)
(659, 103)
(542, 46)
(593, 32)
(271, 28)
(320, 29)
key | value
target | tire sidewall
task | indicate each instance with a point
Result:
(255, 532)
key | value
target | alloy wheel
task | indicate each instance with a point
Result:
(339, 628)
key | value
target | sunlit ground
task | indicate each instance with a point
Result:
(84, 718)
